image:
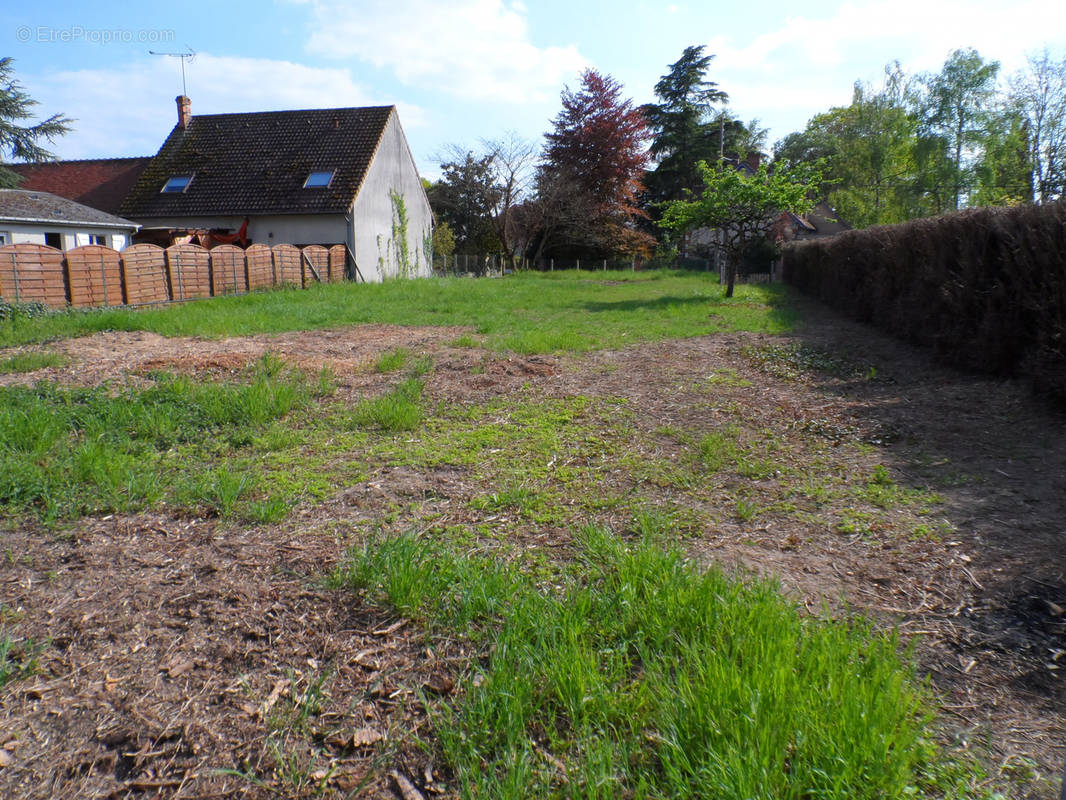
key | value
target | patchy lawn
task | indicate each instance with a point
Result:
(181, 647)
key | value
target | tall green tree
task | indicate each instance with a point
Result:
(876, 171)
(17, 141)
(464, 198)
(742, 207)
(1003, 175)
(686, 126)
(956, 110)
(1038, 94)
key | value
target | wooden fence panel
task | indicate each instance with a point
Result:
(94, 276)
(33, 273)
(144, 267)
(318, 257)
(189, 266)
(337, 263)
(288, 266)
(228, 275)
(260, 263)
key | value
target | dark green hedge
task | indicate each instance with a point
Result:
(985, 289)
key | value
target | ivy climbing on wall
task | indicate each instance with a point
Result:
(399, 234)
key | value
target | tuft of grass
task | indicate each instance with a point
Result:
(645, 676)
(217, 491)
(31, 361)
(272, 509)
(393, 360)
(718, 450)
(18, 658)
(399, 409)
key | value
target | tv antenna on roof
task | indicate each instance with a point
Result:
(189, 55)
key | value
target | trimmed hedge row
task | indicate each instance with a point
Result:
(985, 289)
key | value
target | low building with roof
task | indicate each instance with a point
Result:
(319, 176)
(101, 183)
(44, 218)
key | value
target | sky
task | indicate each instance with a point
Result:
(462, 71)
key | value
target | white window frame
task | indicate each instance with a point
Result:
(172, 179)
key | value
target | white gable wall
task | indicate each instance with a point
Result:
(391, 193)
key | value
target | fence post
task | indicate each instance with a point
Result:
(605, 265)
(15, 276)
(552, 267)
(578, 264)
(103, 276)
(632, 263)
(181, 280)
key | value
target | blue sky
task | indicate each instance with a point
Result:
(471, 69)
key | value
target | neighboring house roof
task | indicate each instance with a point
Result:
(258, 163)
(27, 207)
(101, 183)
(825, 220)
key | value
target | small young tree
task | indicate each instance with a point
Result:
(20, 142)
(742, 208)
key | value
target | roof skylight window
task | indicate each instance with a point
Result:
(319, 179)
(177, 183)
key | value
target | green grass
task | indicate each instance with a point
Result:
(30, 361)
(526, 313)
(399, 409)
(393, 360)
(18, 658)
(641, 675)
(66, 452)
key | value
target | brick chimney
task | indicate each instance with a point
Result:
(184, 110)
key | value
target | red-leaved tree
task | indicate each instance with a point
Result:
(594, 162)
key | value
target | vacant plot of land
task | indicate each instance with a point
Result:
(192, 636)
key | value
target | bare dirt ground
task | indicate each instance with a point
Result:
(183, 651)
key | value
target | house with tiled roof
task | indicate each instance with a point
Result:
(320, 176)
(44, 218)
(100, 183)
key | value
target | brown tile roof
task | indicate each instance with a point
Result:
(20, 205)
(101, 183)
(257, 163)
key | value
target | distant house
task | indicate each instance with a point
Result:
(818, 223)
(44, 218)
(321, 176)
(101, 183)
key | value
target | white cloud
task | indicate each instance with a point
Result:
(808, 62)
(919, 33)
(474, 49)
(129, 110)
